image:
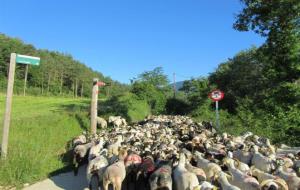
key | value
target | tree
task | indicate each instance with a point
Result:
(196, 91)
(153, 86)
(156, 77)
(240, 77)
(279, 22)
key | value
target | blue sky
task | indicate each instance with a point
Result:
(122, 38)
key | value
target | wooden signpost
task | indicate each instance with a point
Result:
(14, 58)
(216, 96)
(94, 104)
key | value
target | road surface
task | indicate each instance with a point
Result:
(63, 181)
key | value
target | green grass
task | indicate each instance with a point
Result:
(40, 130)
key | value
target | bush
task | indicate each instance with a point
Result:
(280, 127)
(176, 106)
(127, 106)
(155, 97)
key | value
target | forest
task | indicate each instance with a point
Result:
(58, 74)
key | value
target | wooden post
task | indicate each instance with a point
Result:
(94, 106)
(9, 95)
(25, 80)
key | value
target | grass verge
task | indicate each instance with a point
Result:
(39, 132)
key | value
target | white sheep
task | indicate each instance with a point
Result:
(79, 154)
(241, 139)
(210, 169)
(95, 149)
(205, 186)
(261, 162)
(113, 149)
(292, 181)
(240, 179)
(97, 167)
(222, 179)
(243, 156)
(81, 139)
(239, 165)
(101, 122)
(182, 177)
(266, 179)
(117, 121)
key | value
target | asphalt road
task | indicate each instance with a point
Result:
(65, 181)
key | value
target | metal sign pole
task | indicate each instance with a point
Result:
(217, 115)
(9, 95)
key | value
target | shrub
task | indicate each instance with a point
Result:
(127, 105)
(176, 106)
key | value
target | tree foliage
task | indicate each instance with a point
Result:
(57, 74)
(153, 86)
(279, 22)
(196, 91)
(261, 85)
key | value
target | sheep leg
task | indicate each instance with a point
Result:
(75, 166)
(105, 184)
(118, 185)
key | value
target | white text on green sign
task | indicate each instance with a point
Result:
(25, 59)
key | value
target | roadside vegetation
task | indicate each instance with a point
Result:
(41, 128)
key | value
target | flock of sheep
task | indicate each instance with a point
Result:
(173, 152)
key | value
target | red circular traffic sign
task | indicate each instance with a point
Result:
(216, 95)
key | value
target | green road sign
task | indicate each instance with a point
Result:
(25, 59)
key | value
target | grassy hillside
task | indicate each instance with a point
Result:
(40, 130)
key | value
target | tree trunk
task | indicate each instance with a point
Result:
(49, 80)
(61, 82)
(81, 94)
(76, 88)
(42, 84)
(73, 89)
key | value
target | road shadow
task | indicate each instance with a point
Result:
(68, 181)
(66, 159)
(65, 181)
